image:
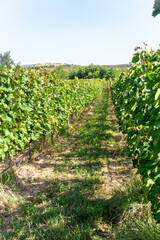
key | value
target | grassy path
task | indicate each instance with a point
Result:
(67, 190)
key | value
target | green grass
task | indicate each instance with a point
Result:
(73, 205)
(67, 209)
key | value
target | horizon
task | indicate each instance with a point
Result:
(74, 64)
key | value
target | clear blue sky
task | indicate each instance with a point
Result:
(76, 31)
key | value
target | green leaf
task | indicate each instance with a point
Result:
(6, 118)
(157, 94)
(155, 57)
(134, 107)
(136, 58)
(21, 143)
(148, 186)
(33, 136)
(7, 132)
(26, 108)
(158, 216)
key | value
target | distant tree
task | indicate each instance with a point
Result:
(156, 8)
(92, 71)
(61, 72)
(5, 59)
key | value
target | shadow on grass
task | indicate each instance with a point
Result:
(67, 210)
(91, 136)
(90, 142)
(63, 211)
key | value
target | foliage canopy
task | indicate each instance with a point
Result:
(156, 8)
(136, 95)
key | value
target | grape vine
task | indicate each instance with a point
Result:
(33, 102)
(136, 96)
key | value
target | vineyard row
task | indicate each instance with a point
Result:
(136, 96)
(33, 102)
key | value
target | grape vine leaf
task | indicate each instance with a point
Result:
(157, 94)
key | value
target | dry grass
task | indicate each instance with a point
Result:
(9, 200)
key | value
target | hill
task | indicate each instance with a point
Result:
(54, 65)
